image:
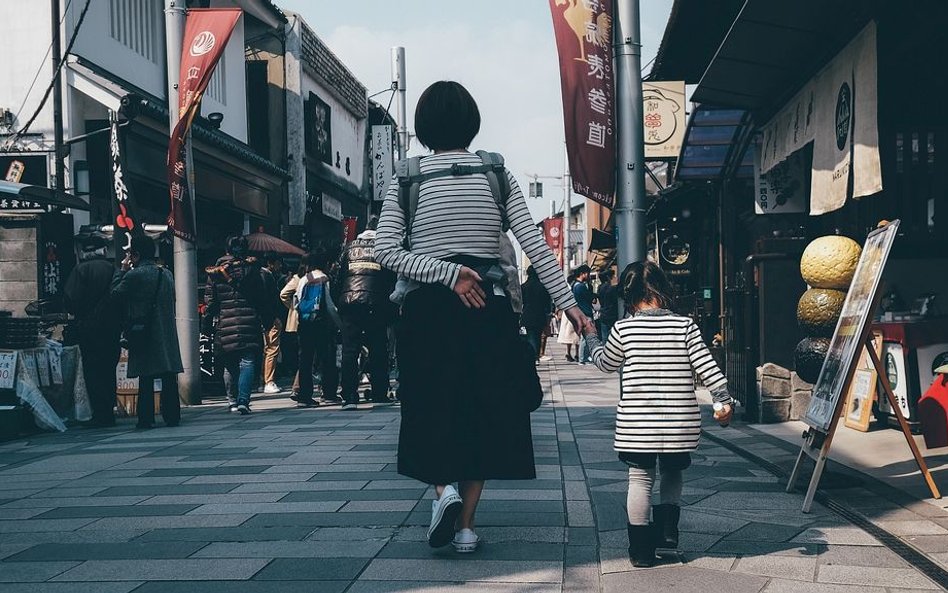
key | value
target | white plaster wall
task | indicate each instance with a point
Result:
(96, 44)
(348, 133)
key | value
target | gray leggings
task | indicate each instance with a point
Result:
(639, 502)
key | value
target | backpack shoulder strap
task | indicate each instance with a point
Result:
(408, 172)
(497, 178)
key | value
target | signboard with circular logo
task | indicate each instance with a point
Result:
(203, 43)
(675, 250)
(844, 112)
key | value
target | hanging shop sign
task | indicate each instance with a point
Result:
(663, 115)
(836, 111)
(553, 233)
(121, 200)
(205, 36)
(584, 43)
(382, 165)
(331, 207)
(785, 188)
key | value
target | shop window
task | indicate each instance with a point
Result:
(317, 128)
(139, 26)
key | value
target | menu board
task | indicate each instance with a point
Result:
(851, 329)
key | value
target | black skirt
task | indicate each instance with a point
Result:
(459, 419)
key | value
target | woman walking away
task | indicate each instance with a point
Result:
(459, 343)
(306, 296)
(657, 419)
(568, 336)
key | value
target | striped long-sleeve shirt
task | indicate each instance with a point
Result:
(659, 353)
(458, 216)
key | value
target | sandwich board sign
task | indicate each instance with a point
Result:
(853, 333)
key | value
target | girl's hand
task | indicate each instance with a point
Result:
(724, 415)
(469, 290)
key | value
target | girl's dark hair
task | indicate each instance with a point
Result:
(318, 259)
(644, 282)
(446, 117)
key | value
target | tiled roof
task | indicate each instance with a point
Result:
(326, 66)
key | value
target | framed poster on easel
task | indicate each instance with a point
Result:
(852, 336)
(862, 390)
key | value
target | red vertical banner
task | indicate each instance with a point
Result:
(205, 37)
(349, 225)
(583, 31)
(553, 233)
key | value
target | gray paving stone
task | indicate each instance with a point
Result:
(764, 532)
(862, 556)
(453, 571)
(500, 519)
(362, 506)
(837, 535)
(68, 492)
(218, 569)
(118, 511)
(268, 508)
(247, 478)
(284, 569)
(783, 567)
(116, 551)
(7, 550)
(292, 549)
(487, 550)
(245, 587)
(355, 495)
(82, 501)
(32, 572)
(9, 514)
(328, 519)
(72, 587)
(70, 537)
(227, 534)
(681, 579)
(169, 522)
(27, 525)
(906, 578)
(494, 493)
(328, 485)
(782, 586)
(336, 534)
(209, 499)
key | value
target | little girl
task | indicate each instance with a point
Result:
(657, 421)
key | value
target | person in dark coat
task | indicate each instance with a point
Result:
(274, 318)
(235, 294)
(537, 307)
(145, 289)
(87, 298)
(608, 296)
(366, 313)
(585, 298)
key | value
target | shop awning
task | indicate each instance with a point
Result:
(773, 47)
(602, 241)
(712, 142)
(694, 32)
(43, 196)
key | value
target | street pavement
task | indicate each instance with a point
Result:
(293, 500)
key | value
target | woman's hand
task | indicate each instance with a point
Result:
(469, 290)
(577, 319)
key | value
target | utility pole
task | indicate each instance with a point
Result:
(567, 214)
(185, 255)
(56, 51)
(398, 85)
(630, 190)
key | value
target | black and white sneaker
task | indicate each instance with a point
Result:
(444, 513)
(244, 409)
(233, 407)
(350, 406)
(330, 401)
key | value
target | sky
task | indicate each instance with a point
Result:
(503, 51)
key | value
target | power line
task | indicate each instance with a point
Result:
(41, 67)
(52, 83)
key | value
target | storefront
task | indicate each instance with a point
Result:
(800, 110)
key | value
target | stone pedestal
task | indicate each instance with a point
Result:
(773, 393)
(800, 394)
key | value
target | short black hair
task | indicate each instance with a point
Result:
(143, 246)
(447, 117)
(605, 276)
(644, 282)
(317, 259)
(373, 223)
(583, 269)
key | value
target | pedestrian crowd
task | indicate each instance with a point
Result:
(435, 275)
